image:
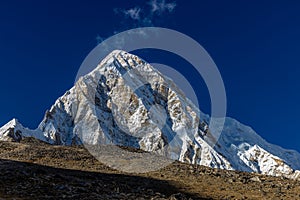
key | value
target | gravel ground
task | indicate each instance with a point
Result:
(35, 170)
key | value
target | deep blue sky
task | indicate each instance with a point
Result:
(255, 45)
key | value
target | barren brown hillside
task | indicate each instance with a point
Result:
(35, 170)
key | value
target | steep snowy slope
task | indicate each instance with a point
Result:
(247, 151)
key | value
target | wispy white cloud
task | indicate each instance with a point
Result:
(150, 13)
(160, 6)
(144, 15)
(133, 13)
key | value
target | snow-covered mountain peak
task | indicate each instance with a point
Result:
(14, 131)
(125, 101)
(11, 124)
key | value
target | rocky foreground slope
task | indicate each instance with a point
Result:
(126, 102)
(35, 170)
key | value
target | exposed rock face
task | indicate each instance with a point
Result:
(126, 102)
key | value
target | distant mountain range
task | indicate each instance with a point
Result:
(126, 102)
